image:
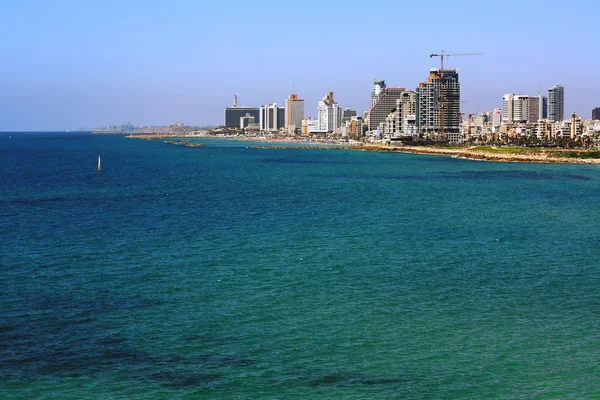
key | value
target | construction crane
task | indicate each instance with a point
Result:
(442, 96)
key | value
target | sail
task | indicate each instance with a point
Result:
(98, 163)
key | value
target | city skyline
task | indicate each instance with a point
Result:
(70, 65)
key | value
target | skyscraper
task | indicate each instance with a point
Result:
(436, 98)
(329, 114)
(271, 118)
(507, 108)
(596, 113)
(556, 103)
(543, 110)
(533, 109)
(384, 104)
(294, 111)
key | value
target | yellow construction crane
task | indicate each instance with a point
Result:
(442, 96)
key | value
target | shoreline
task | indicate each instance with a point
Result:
(521, 154)
(541, 157)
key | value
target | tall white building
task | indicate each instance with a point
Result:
(497, 117)
(507, 108)
(329, 114)
(520, 108)
(271, 118)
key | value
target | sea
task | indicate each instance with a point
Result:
(232, 272)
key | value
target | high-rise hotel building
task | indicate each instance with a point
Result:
(235, 113)
(271, 118)
(329, 114)
(383, 101)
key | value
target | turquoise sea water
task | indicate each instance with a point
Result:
(225, 272)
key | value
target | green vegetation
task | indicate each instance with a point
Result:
(575, 154)
(550, 152)
(506, 150)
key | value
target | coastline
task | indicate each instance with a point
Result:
(528, 156)
(476, 153)
(522, 155)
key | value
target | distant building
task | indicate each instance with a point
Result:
(392, 125)
(543, 109)
(127, 127)
(507, 108)
(309, 126)
(354, 128)
(402, 119)
(410, 125)
(544, 129)
(437, 97)
(329, 114)
(556, 103)
(384, 105)
(497, 117)
(246, 121)
(253, 127)
(518, 109)
(272, 118)
(294, 111)
(347, 114)
(379, 87)
(281, 117)
(571, 127)
(407, 107)
(596, 114)
(533, 109)
(235, 112)
(233, 115)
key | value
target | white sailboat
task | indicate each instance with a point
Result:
(98, 169)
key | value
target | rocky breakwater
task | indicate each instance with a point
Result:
(185, 143)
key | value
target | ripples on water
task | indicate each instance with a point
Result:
(227, 272)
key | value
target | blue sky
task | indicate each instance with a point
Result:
(80, 64)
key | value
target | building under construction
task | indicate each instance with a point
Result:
(439, 103)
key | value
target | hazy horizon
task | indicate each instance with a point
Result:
(68, 65)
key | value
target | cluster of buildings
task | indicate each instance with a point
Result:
(540, 116)
(267, 118)
(431, 108)
(430, 111)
